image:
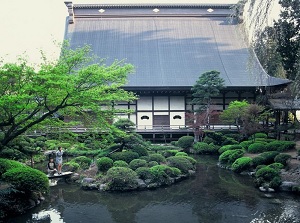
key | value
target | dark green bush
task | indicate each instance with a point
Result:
(281, 146)
(158, 148)
(246, 144)
(217, 137)
(229, 156)
(265, 158)
(241, 164)
(152, 163)
(157, 157)
(267, 176)
(13, 154)
(257, 147)
(136, 163)
(181, 162)
(127, 156)
(71, 166)
(144, 173)
(120, 163)
(104, 163)
(170, 152)
(181, 154)
(236, 136)
(229, 141)
(185, 142)
(282, 158)
(27, 179)
(141, 150)
(276, 166)
(204, 148)
(121, 178)
(258, 135)
(191, 159)
(83, 161)
(6, 165)
(209, 140)
(159, 174)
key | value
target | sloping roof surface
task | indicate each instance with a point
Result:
(170, 51)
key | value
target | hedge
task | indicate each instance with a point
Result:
(257, 147)
(241, 164)
(229, 156)
(265, 158)
(282, 158)
(281, 146)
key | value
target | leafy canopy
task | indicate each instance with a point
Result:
(77, 85)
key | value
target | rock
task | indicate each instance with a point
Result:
(75, 177)
(192, 172)
(103, 187)
(152, 185)
(287, 186)
(141, 184)
(88, 180)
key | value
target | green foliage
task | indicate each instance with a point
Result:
(33, 98)
(246, 144)
(152, 163)
(204, 148)
(235, 112)
(157, 157)
(181, 162)
(209, 140)
(181, 154)
(71, 166)
(281, 146)
(127, 156)
(282, 158)
(276, 166)
(185, 142)
(229, 156)
(170, 152)
(13, 154)
(236, 136)
(258, 135)
(267, 176)
(83, 161)
(217, 137)
(229, 141)
(136, 163)
(121, 178)
(6, 165)
(144, 173)
(257, 147)
(141, 150)
(163, 148)
(104, 163)
(27, 179)
(241, 164)
(159, 173)
(120, 163)
(265, 158)
(125, 125)
(229, 147)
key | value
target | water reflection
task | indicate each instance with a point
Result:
(212, 196)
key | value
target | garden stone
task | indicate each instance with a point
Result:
(141, 183)
(103, 187)
(88, 180)
(75, 177)
(287, 185)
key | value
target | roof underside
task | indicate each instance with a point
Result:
(171, 50)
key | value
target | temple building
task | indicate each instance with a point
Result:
(171, 45)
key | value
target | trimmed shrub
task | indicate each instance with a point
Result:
(236, 136)
(144, 173)
(158, 148)
(127, 156)
(282, 158)
(83, 161)
(276, 166)
(241, 164)
(71, 166)
(281, 146)
(204, 148)
(121, 178)
(246, 144)
(141, 150)
(265, 158)
(152, 163)
(120, 163)
(229, 156)
(185, 142)
(257, 147)
(191, 159)
(170, 152)
(209, 140)
(181, 162)
(159, 173)
(157, 157)
(27, 179)
(216, 136)
(229, 147)
(6, 165)
(267, 176)
(12, 154)
(258, 135)
(229, 141)
(136, 163)
(104, 163)
(181, 154)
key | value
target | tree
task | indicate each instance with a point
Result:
(235, 113)
(77, 85)
(207, 86)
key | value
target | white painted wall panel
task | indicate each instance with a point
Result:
(144, 103)
(177, 103)
(176, 123)
(145, 123)
(161, 103)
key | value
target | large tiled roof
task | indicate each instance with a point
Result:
(171, 47)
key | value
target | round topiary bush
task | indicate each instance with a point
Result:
(157, 157)
(267, 176)
(229, 156)
(6, 165)
(246, 144)
(276, 166)
(152, 163)
(185, 142)
(282, 158)
(181, 162)
(120, 163)
(281, 146)
(181, 154)
(71, 166)
(241, 164)
(27, 179)
(104, 163)
(121, 178)
(144, 173)
(257, 147)
(170, 152)
(161, 174)
(258, 135)
(265, 158)
(126, 156)
(136, 163)
(141, 150)
(83, 161)
(229, 147)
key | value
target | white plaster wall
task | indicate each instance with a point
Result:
(177, 103)
(144, 103)
(133, 118)
(161, 103)
(161, 113)
(145, 123)
(176, 123)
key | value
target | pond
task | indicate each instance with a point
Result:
(214, 195)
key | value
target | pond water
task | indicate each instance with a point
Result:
(214, 195)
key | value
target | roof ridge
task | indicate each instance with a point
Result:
(220, 6)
